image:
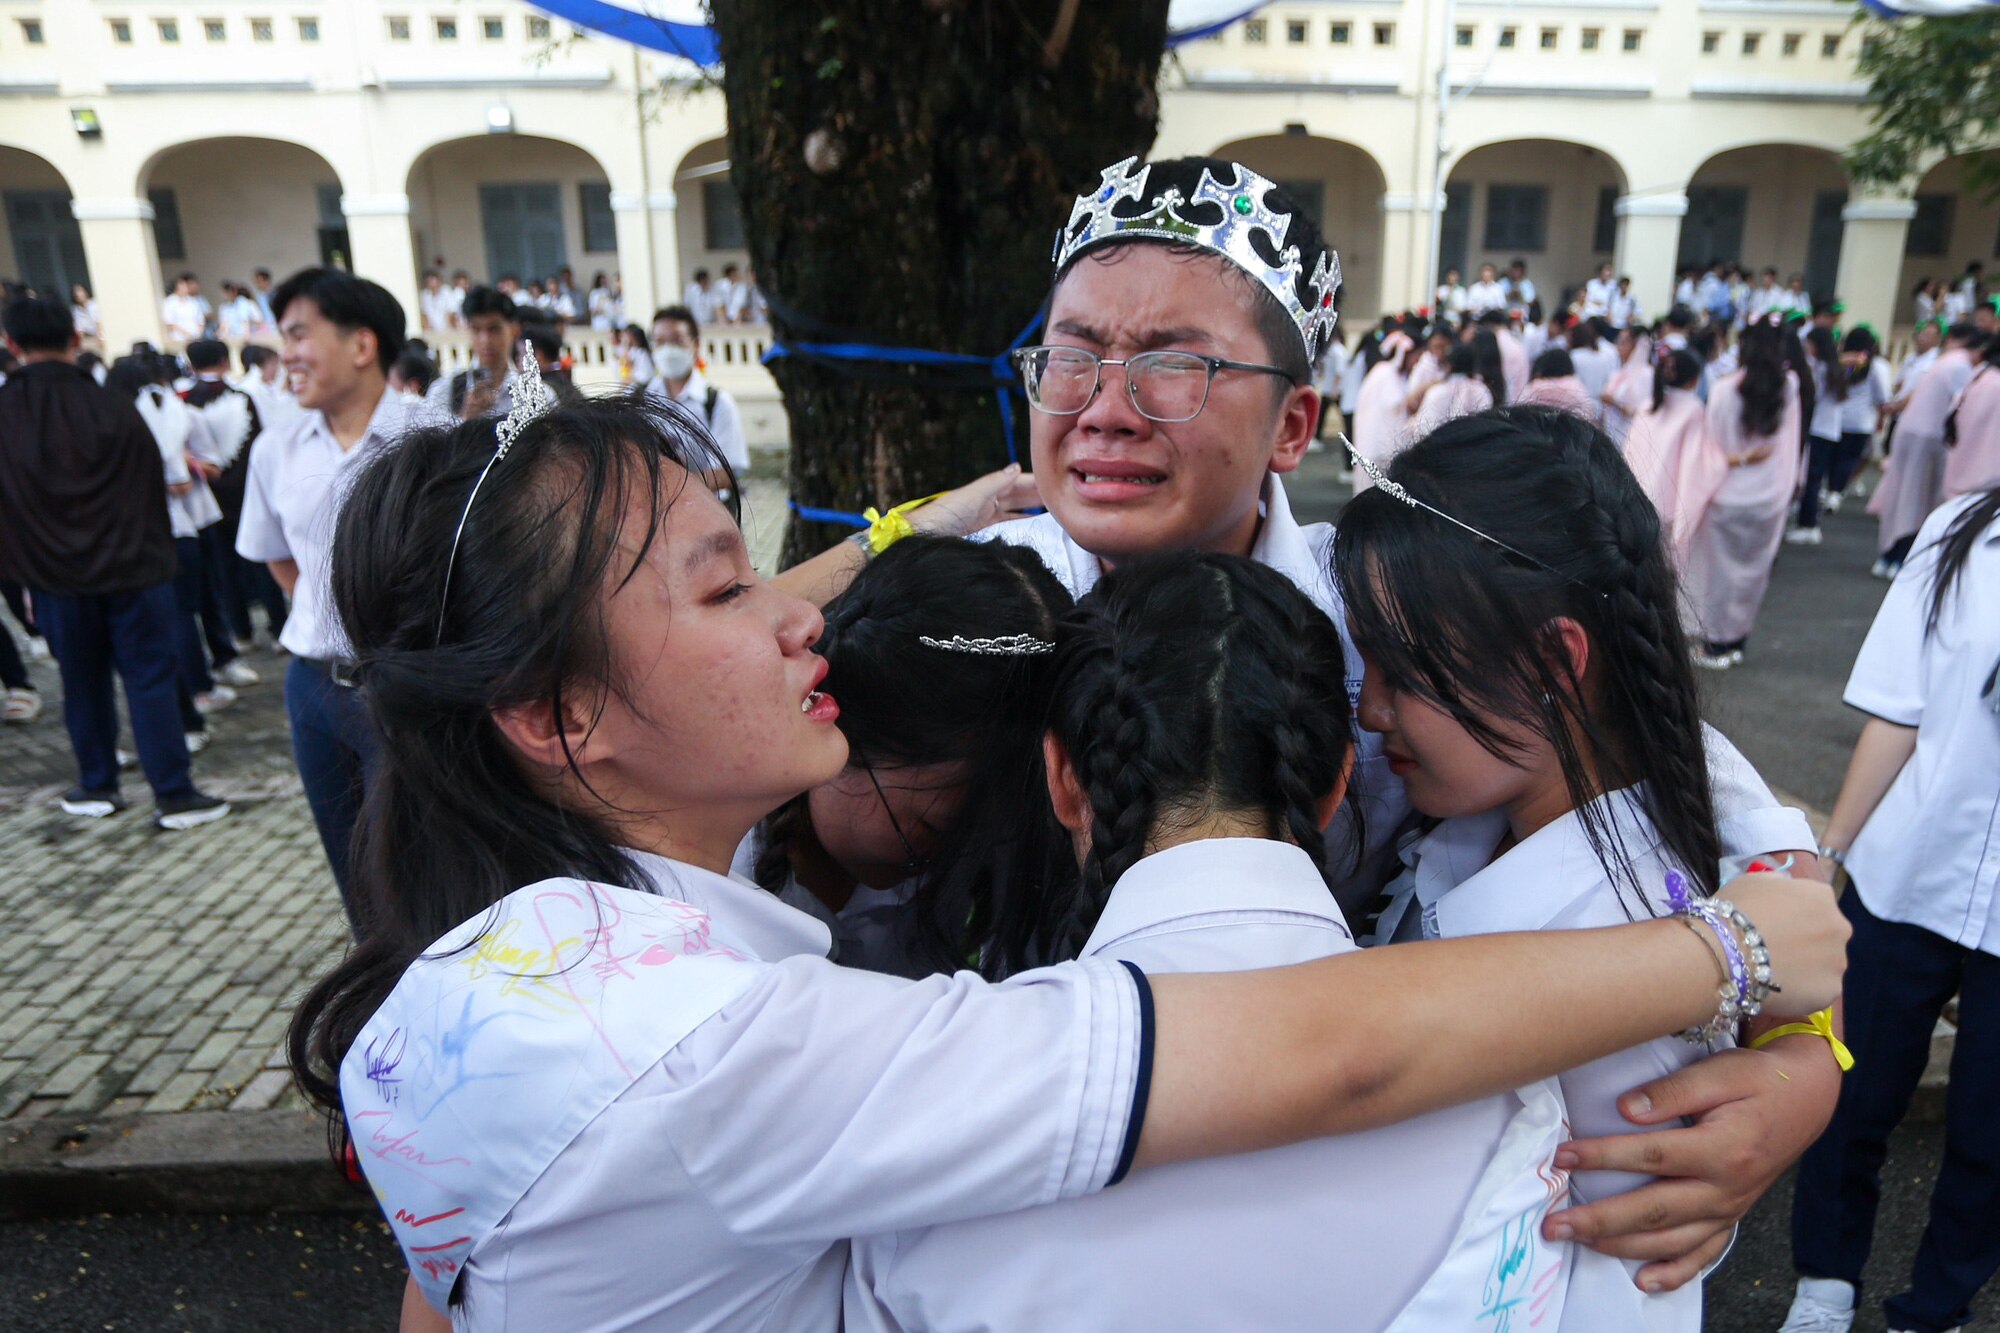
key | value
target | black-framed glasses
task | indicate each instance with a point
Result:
(1163, 386)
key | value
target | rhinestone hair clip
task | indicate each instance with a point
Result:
(1244, 211)
(1007, 645)
(1394, 490)
(532, 399)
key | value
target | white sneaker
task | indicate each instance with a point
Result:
(38, 649)
(1822, 1305)
(22, 706)
(127, 760)
(1831, 502)
(1718, 662)
(215, 700)
(238, 673)
(1803, 537)
(197, 741)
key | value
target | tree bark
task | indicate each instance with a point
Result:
(902, 168)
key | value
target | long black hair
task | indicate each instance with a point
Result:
(1673, 368)
(904, 702)
(1825, 350)
(1465, 625)
(1955, 547)
(1762, 348)
(1484, 363)
(451, 823)
(1190, 685)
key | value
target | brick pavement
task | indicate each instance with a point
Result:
(143, 971)
(149, 971)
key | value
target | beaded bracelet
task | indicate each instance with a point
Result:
(1746, 982)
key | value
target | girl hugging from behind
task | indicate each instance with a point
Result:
(1530, 679)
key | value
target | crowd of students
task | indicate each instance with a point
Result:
(1745, 434)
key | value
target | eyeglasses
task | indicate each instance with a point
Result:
(1163, 386)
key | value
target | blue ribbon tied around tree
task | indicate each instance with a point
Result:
(959, 370)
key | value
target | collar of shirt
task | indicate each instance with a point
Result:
(1214, 875)
(740, 914)
(392, 416)
(694, 391)
(1464, 889)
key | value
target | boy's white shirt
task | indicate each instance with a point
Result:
(1749, 817)
(1554, 881)
(1397, 1228)
(678, 1124)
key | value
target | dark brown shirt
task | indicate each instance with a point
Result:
(83, 498)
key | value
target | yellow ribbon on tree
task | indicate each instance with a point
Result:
(1818, 1025)
(885, 530)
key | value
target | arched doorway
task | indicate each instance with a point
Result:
(1547, 202)
(227, 206)
(1342, 186)
(710, 226)
(1768, 206)
(40, 243)
(512, 205)
(1955, 225)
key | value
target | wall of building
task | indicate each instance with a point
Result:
(243, 204)
(1575, 178)
(445, 220)
(1974, 233)
(692, 178)
(1783, 182)
(21, 170)
(1350, 188)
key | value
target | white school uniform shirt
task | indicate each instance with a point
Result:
(437, 398)
(1341, 1232)
(1597, 294)
(1450, 299)
(1455, 887)
(298, 474)
(701, 302)
(1624, 310)
(436, 308)
(1915, 366)
(1930, 854)
(725, 427)
(1861, 410)
(607, 1109)
(1481, 297)
(1595, 365)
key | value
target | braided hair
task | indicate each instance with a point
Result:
(1466, 626)
(980, 878)
(1194, 685)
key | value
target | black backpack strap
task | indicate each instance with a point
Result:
(708, 406)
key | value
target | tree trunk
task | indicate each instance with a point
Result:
(902, 168)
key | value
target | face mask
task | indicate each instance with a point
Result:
(676, 362)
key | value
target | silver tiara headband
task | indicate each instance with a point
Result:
(1007, 645)
(531, 399)
(1380, 480)
(1243, 211)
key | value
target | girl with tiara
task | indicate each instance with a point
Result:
(1511, 597)
(1199, 741)
(1754, 418)
(907, 855)
(596, 1082)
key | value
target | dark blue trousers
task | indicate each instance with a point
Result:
(188, 581)
(334, 744)
(1898, 980)
(1829, 464)
(133, 634)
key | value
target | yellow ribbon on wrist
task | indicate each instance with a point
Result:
(885, 530)
(1818, 1025)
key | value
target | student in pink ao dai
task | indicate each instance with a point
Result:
(1729, 565)
(1972, 462)
(1380, 413)
(1670, 452)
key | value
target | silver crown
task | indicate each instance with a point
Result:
(1007, 645)
(1244, 212)
(532, 398)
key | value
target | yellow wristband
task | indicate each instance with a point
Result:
(1819, 1025)
(885, 530)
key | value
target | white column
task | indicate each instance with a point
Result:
(635, 253)
(662, 208)
(1406, 241)
(378, 232)
(124, 267)
(1649, 241)
(1869, 279)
